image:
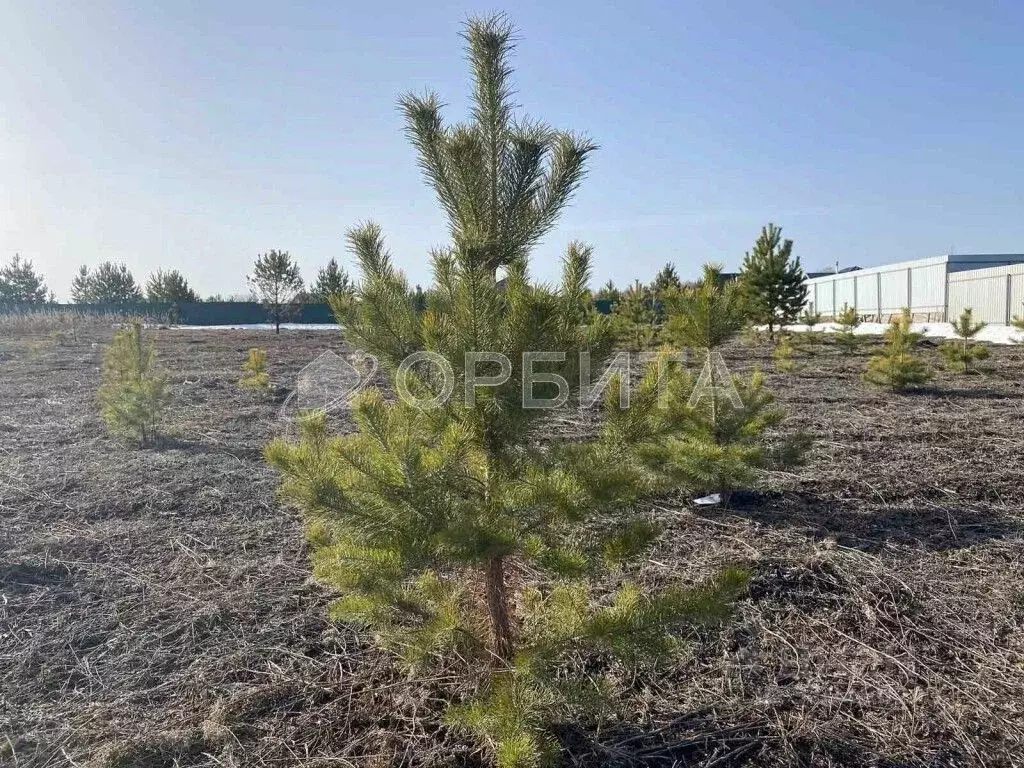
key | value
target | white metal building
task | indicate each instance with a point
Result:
(996, 294)
(934, 289)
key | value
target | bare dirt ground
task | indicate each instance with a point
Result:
(155, 606)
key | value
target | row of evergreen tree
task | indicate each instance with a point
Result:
(113, 283)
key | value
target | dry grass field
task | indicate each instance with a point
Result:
(156, 607)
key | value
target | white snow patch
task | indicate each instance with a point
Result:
(993, 334)
(262, 327)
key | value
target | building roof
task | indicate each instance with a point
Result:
(954, 263)
(826, 273)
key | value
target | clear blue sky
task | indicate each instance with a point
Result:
(195, 134)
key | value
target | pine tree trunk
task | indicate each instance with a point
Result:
(497, 607)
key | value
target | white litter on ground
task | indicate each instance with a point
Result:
(708, 501)
(993, 334)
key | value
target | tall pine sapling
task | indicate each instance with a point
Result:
(773, 281)
(960, 353)
(848, 341)
(897, 366)
(448, 530)
(134, 391)
(276, 281)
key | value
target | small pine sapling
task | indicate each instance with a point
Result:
(897, 366)
(255, 371)
(848, 341)
(723, 421)
(960, 353)
(634, 318)
(784, 355)
(134, 391)
(810, 319)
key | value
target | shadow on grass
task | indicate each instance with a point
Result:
(701, 738)
(169, 443)
(959, 393)
(690, 739)
(926, 526)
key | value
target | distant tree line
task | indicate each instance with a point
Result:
(275, 280)
(772, 283)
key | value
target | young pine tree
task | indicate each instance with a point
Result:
(450, 532)
(961, 353)
(634, 317)
(810, 319)
(897, 366)
(608, 292)
(169, 287)
(255, 376)
(706, 316)
(134, 391)
(784, 354)
(82, 286)
(276, 281)
(111, 283)
(723, 442)
(21, 284)
(846, 339)
(332, 280)
(773, 281)
(666, 281)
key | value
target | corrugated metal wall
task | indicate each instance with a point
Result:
(846, 292)
(928, 290)
(893, 293)
(867, 291)
(881, 293)
(995, 295)
(823, 298)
